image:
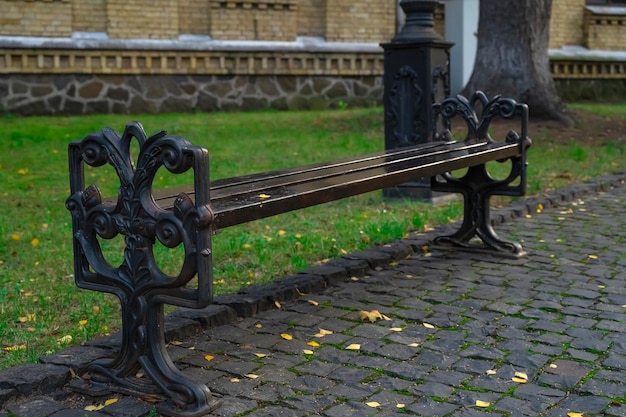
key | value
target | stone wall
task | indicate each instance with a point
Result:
(85, 94)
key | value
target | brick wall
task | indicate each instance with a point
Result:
(566, 25)
(89, 16)
(360, 21)
(604, 31)
(36, 18)
(269, 20)
(312, 18)
(150, 19)
(193, 17)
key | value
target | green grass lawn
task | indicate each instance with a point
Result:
(40, 308)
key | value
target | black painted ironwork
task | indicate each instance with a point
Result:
(138, 282)
(187, 216)
(416, 76)
(477, 185)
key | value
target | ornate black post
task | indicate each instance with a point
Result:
(416, 76)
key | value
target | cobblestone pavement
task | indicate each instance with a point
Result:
(458, 334)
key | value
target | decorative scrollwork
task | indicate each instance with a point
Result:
(406, 95)
(139, 283)
(478, 112)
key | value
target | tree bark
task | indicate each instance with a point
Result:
(512, 56)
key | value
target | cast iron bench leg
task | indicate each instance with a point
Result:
(141, 286)
(477, 185)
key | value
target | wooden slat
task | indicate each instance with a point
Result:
(297, 195)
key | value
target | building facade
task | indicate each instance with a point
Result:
(134, 56)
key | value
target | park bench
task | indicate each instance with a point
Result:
(189, 216)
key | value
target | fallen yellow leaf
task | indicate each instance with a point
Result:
(400, 405)
(260, 355)
(353, 346)
(263, 196)
(572, 414)
(234, 380)
(252, 376)
(176, 342)
(110, 401)
(277, 304)
(94, 407)
(483, 404)
(313, 302)
(373, 404)
(209, 357)
(414, 344)
(307, 352)
(286, 336)
(396, 329)
(312, 343)
(553, 365)
(519, 380)
(323, 333)
(429, 326)
(491, 372)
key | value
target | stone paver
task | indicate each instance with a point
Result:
(541, 336)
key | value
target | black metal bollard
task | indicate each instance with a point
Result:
(416, 76)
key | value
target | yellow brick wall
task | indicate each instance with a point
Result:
(193, 17)
(360, 21)
(89, 16)
(268, 20)
(150, 19)
(312, 18)
(566, 24)
(36, 18)
(605, 32)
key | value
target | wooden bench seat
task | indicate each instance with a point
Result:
(252, 197)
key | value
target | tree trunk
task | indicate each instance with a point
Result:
(512, 56)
